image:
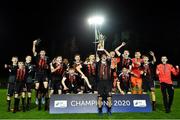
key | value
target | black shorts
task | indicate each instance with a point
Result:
(92, 81)
(29, 80)
(10, 89)
(41, 88)
(12, 79)
(29, 87)
(73, 88)
(104, 87)
(81, 82)
(55, 85)
(41, 77)
(147, 84)
(20, 87)
(125, 86)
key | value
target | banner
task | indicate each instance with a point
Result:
(87, 103)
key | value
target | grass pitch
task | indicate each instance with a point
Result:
(35, 114)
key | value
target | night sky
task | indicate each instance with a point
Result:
(62, 26)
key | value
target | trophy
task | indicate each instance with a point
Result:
(100, 46)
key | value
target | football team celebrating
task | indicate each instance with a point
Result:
(104, 73)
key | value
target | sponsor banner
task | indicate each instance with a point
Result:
(131, 103)
(73, 103)
(87, 103)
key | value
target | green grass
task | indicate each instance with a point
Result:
(35, 114)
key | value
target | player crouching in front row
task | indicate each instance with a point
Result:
(71, 83)
(123, 82)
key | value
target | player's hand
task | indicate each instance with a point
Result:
(157, 72)
(177, 67)
(151, 53)
(145, 73)
(65, 88)
(86, 62)
(5, 65)
(123, 44)
(90, 87)
(51, 64)
(35, 42)
(122, 92)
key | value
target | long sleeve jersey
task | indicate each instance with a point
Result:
(164, 72)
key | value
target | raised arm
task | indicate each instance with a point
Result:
(97, 58)
(52, 67)
(152, 54)
(175, 71)
(34, 48)
(107, 53)
(117, 49)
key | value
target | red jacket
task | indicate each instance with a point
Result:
(164, 73)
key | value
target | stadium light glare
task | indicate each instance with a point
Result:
(96, 20)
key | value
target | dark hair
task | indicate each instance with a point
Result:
(77, 55)
(15, 57)
(145, 56)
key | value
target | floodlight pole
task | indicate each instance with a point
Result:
(95, 21)
(95, 31)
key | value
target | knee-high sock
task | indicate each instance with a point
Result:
(109, 101)
(28, 103)
(23, 104)
(46, 103)
(45, 92)
(15, 104)
(39, 103)
(100, 103)
(153, 97)
(9, 104)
